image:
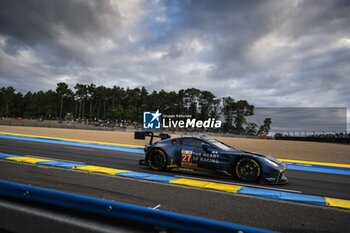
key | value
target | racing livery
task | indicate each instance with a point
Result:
(210, 155)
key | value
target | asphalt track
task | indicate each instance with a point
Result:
(270, 214)
(330, 185)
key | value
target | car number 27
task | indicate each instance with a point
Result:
(186, 156)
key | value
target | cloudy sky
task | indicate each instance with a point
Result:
(272, 53)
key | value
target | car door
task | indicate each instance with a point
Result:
(191, 152)
(210, 158)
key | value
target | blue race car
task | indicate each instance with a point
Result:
(208, 154)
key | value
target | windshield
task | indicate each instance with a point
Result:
(219, 145)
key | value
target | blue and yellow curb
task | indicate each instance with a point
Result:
(217, 186)
(313, 166)
(69, 139)
(74, 142)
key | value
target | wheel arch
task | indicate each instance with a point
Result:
(157, 148)
(257, 160)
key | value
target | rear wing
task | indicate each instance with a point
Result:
(141, 135)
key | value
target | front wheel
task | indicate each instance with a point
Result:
(157, 160)
(248, 170)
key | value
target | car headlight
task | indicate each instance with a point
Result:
(271, 163)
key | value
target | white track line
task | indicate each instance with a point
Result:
(156, 207)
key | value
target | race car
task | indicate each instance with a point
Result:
(202, 153)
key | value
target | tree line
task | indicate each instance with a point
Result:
(119, 104)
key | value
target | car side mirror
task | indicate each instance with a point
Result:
(205, 147)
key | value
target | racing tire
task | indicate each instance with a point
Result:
(157, 160)
(248, 170)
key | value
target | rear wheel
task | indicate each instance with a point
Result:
(157, 160)
(248, 170)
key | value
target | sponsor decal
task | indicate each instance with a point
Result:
(191, 158)
(206, 157)
(186, 156)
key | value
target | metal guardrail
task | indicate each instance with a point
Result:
(117, 210)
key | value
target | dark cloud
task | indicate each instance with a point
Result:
(59, 31)
(35, 22)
